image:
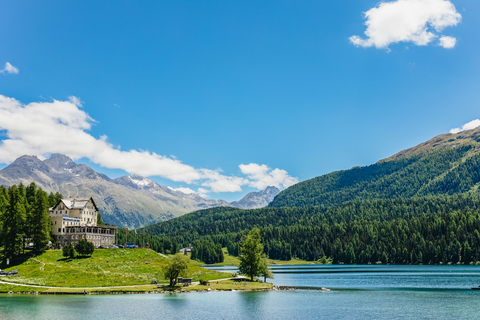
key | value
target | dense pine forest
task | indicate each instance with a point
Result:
(24, 217)
(429, 230)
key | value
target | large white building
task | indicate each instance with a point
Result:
(76, 218)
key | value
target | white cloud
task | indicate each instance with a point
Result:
(183, 190)
(42, 128)
(447, 42)
(261, 176)
(220, 183)
(9, 69)
(467, 126)
(416, 21)
(203, 192)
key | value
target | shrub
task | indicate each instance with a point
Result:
(69, 251)
(84, 248)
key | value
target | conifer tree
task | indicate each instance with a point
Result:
(3, 208)
(40, 222)
(13, 231)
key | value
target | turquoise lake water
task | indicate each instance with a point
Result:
(357, 292)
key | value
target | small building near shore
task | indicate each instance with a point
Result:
(74, 219)
(186, 250)
(185, 280)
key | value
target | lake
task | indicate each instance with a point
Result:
(357, 292)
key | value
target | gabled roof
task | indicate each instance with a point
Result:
(76, 203)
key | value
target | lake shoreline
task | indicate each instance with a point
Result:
(133, 292)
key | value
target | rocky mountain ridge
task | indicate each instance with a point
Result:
(131, 201)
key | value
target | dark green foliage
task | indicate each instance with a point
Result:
(39, 224)
(84, 248)
(24, 217)
(251, 255)
(418, 230)
(159, 244)
(13, 223)
(54, 198)
(99, 220)
(445, 172)
(207, 251)
(69, 251)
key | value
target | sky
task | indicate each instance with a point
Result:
(223, 98)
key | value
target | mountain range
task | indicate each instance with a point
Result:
(131, 201)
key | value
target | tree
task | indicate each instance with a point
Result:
(3, 208)
(69, 251)
(13, 230)
(40, 221)
(100, 220)
(174, 267)
(266, 271)
(251, 254)
(84, 248)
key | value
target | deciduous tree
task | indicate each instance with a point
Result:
(251, 254)
(175, 266)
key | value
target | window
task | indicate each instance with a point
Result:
(59, 230)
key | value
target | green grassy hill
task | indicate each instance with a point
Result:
(106, 268)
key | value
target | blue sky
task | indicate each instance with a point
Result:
(188, 91)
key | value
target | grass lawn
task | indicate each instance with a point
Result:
(105, 268)
(228, 285)
(234, 261)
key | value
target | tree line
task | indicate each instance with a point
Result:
(24, 216)
(425, 230)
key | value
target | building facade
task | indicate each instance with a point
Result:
(75, 219)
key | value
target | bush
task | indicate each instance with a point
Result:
(69, 251)
(203, 282)
(84, 248)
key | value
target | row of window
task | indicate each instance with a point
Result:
(75, 237)
(67, 212)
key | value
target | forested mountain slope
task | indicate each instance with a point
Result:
(445, 165)
(418, 206)
(418, 230)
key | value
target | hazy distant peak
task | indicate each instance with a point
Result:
(271, 189)
(141, 181)
(28, 161)
(258, 199)
(59, 162)
(60, 158)
(27, 157)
